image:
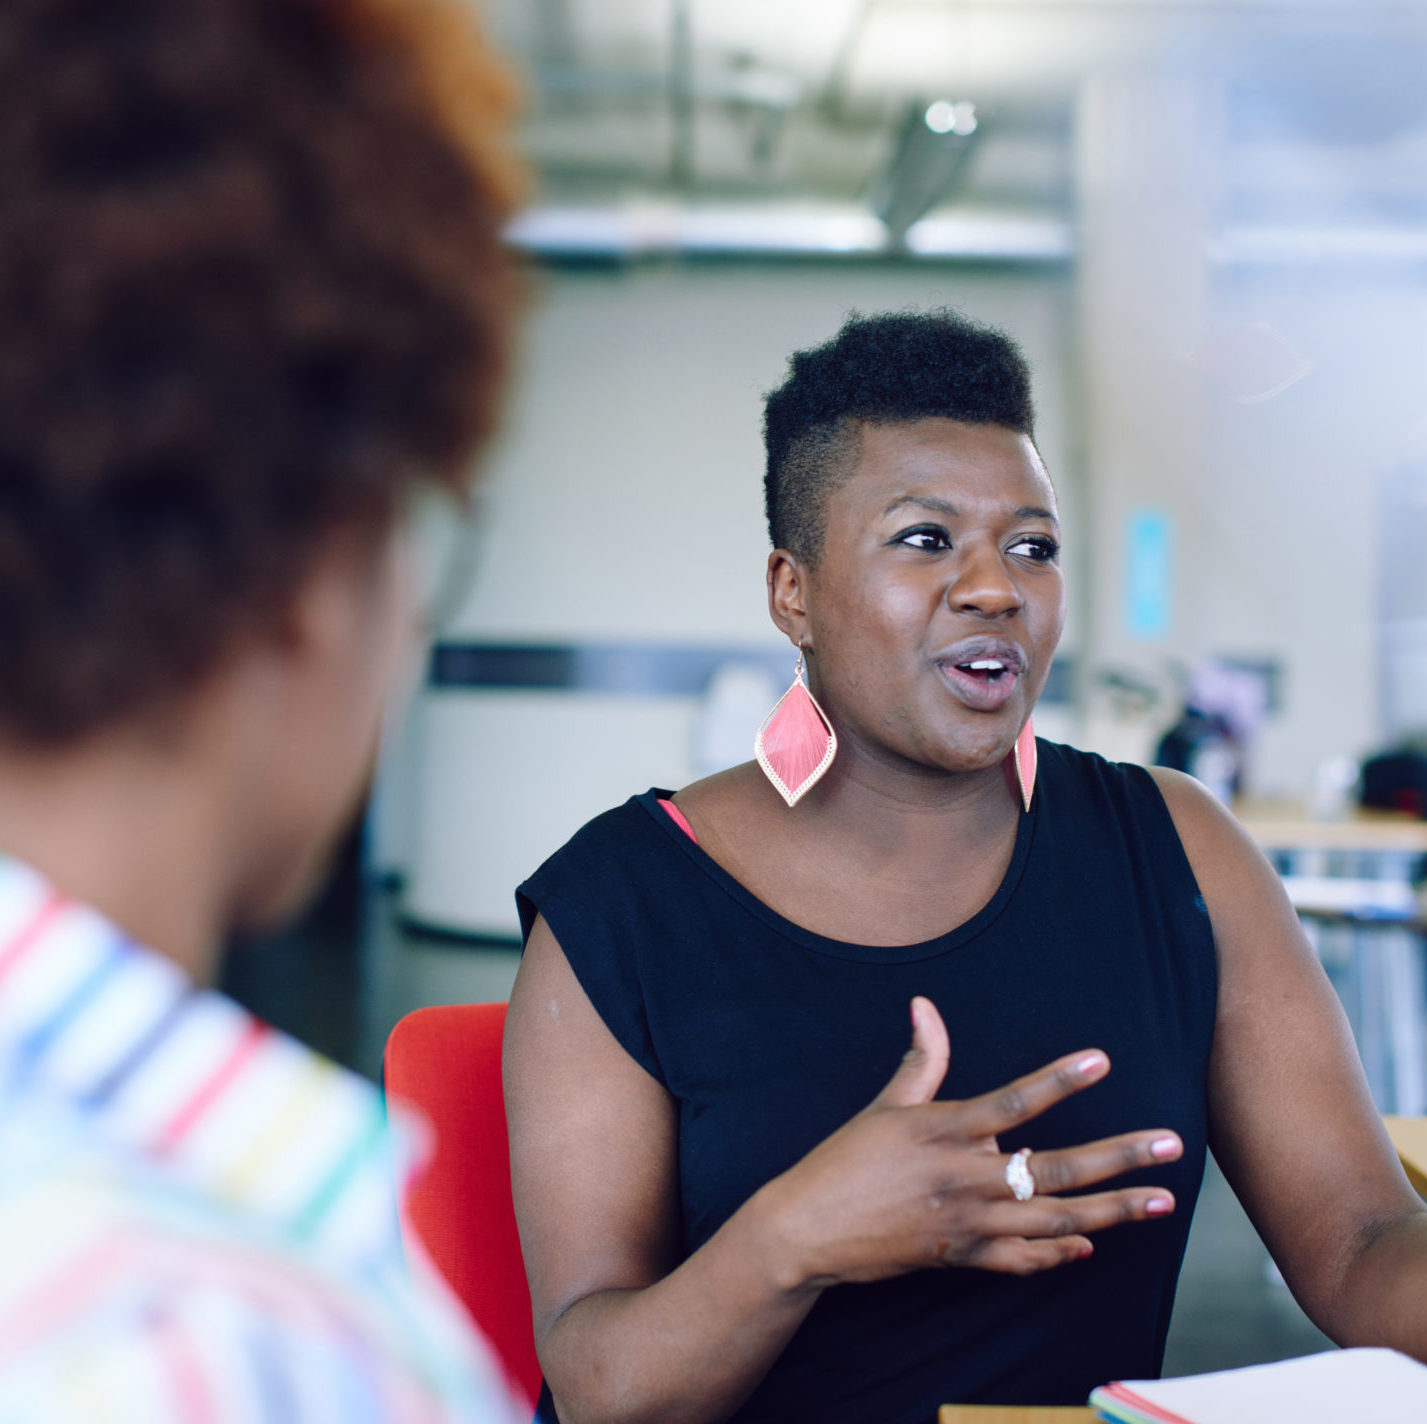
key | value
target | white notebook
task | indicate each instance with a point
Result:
(1337, 1387)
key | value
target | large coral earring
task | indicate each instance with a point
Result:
(1024, 756)
(796, 742)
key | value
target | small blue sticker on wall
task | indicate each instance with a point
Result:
(1149, 573)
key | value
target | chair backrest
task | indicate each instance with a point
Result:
(447, 1062)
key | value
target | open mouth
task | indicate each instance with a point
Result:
(982, 677)
(985, 669)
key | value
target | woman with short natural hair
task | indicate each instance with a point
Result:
(735, 1203)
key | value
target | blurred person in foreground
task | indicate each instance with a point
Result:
(255, 307)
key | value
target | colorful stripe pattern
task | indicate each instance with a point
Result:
(198, 1216)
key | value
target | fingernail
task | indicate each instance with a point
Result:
(1164, 1147)
(1085, 1250)
(1158, 1206)
(1090, 1064)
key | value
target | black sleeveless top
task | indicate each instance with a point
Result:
(769, 1037)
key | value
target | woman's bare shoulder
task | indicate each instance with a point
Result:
(1214, 839)
(1247, 903)
(739, 821)
(727, 796)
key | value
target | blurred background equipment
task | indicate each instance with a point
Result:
(1224, 707)
(1396, 780)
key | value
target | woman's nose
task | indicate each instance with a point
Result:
(983, 586)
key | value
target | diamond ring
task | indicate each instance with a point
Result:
(1018, 1175)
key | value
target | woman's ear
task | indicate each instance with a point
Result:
(787, 596)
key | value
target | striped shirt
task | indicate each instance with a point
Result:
(198, 1216)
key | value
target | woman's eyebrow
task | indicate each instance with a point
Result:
(926, 501)
(942, 506)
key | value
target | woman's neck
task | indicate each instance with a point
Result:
(128, 831)
(867, 856)
(916, 814)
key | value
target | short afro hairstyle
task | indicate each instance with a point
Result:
(253, 289)
(878, 370)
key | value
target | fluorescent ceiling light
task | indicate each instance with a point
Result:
(945, 117)
(990, 235)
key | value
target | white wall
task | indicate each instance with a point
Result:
(1272, 494)
(626, 497)
(1290, 503)
(1281, 552)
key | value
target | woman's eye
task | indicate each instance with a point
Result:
(930, 537)
(1040, 549)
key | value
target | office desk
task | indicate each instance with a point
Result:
(1351, 883)
(1011, 1414)
(1409, 1137)
(1365, 831)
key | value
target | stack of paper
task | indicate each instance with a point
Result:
(1333, 1388)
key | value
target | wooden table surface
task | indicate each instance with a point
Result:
(1276, 828)
(1011, 1414)
(1409, 1137)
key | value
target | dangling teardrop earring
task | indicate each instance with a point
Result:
(1024, 756)
(796, 742)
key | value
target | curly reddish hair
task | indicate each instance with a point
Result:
(252, 289)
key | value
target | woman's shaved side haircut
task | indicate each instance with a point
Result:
(878, 370)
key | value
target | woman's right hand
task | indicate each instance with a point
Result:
(910, 1182)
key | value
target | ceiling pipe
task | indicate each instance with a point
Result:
(928, 159)
(681, 98)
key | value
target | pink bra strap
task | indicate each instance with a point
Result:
(679, 819)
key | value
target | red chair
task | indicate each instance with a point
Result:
(447, 1062)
